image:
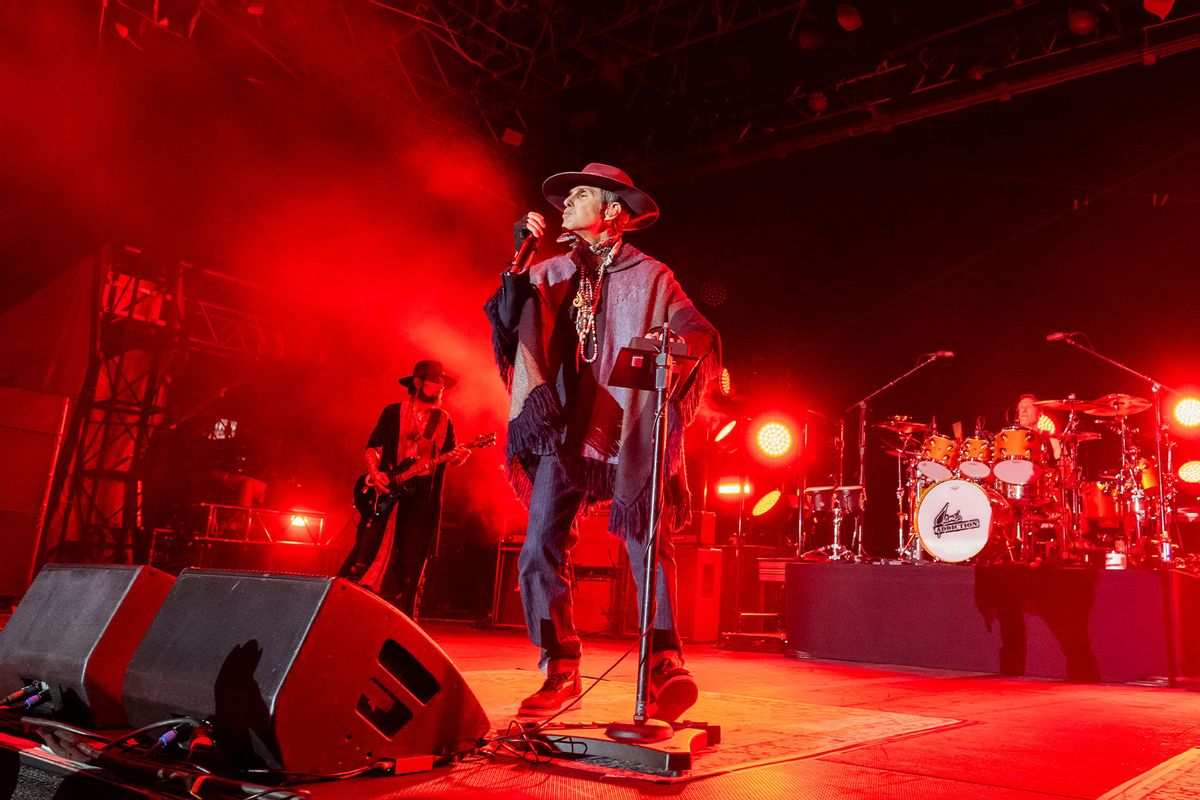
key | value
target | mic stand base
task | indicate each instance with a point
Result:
(670, 756)
(652, 730)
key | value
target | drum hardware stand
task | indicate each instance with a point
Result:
(1071, 479)
(1165, 545)
(861, 406)
(909, 548)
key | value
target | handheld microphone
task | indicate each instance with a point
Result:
(1060, 335)
(528, 246)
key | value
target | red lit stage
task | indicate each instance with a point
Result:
(849, 730)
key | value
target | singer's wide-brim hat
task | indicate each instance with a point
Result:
(643, 210)
(429, 370)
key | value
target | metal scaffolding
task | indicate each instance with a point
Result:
(144, 327)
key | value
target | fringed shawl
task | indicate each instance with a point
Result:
(535, 344)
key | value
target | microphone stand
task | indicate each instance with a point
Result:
(1164, 540)
(861, 405)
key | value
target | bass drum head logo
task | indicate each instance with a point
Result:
(948, 521)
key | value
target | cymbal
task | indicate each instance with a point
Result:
(901, 425)
(1070, 404)
(1118, 405)
(896, 452)
(1081, 436)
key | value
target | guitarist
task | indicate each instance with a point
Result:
(417, 428)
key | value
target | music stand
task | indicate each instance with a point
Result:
(646, 365)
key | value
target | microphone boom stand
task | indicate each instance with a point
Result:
(861, 405)
(1164, 541)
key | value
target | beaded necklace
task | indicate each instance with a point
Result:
(587, 299)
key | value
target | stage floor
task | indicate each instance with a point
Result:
(986, 737)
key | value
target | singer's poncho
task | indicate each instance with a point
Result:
(602, 434)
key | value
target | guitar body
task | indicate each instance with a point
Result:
(402, 479)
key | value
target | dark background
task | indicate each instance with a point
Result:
(978, 232)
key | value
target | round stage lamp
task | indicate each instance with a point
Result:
(766, 503)
(1189, 472)
(726, 429)
(1046, 424)
(726, 382)
(1187, 412)
(299, 521)
(774, 440)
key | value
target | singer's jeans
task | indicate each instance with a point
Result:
(545, 583)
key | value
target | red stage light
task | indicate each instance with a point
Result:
(726, 382)
(766, 503)
(1187, 412)
(725, 431)
(774, 439)
(299, 520)
(733, 487)
(1189, 472)
(1046, 424)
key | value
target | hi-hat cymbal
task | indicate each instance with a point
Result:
(1070, 404)
(1118, 405)
(1081, 436)
(895, 452)
(901, 425)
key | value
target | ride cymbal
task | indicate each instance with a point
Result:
(1118, 405)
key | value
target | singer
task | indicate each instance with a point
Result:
(574, 441)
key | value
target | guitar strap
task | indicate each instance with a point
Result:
(435, 428)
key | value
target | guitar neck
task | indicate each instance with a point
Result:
(433, 462)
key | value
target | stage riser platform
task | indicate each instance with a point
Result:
(1115, 626)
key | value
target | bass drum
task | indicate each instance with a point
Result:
(957, 519)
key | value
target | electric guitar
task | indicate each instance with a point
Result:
(367, 496)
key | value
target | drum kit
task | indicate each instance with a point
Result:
(1021, 495)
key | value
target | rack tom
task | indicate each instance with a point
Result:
(975, 457)
(1146, 474)
(1018, 454)
(939, 457)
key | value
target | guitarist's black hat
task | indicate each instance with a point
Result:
(429, 370)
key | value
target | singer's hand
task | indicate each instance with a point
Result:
(533, 222)
(656, 335)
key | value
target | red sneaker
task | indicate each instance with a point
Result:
(559, 689)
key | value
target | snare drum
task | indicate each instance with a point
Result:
(939, 457)
(975, 457)
(956, 519)
(1018, 455)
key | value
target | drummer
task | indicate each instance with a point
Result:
(1029, 414)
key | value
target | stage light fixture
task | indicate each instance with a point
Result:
(849, 17)
(1187, 412)
(725, 430)
(766, 503)
(774, 439)
(734, 487)
(299, 521)
(1189, 472)
(1082, 21)
(1159, 8)
(1046, 424)
(726, 382)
